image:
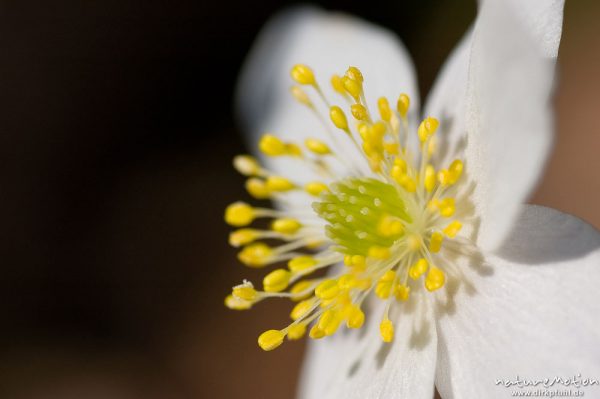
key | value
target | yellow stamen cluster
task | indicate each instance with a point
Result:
(389, 226)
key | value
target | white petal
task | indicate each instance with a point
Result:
(447, 102)
(543, 18)
(357, 364)
(535, 316)
(509, 118)
(447, 99)
(328, 43)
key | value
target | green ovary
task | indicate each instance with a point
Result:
(362, 213)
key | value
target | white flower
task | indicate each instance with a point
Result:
(473, 285)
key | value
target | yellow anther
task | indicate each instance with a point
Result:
(255, 255)
(270, 339)
(236, 303)
(244, 291)
(355, 317)
(447, 207)
(293, 150)
(353, 87)
(377, 132)
(354, 74)
(427, 128)
(328, 289)
(300, 96)
(429, 178)
(239, 214)
(329, 321)
(277, 280)
(358, 262)
(246, 165)
(384, 109)
(315, 188)
(453, 228)
(389, 226)
(402, 292)
(455, 171)
(300, 290)
(373, 149)
(363, 130)
(392, 148)
(338, 85)
(418, 269)
(407, 183)
(347, 281)
(397, 173)
(296, 331)
(400, 163)
(359, 112)
(278, 183)
(317, 146)
(435, 242)
(377, 252)
(343, 300)
(303, 74)
(435, 279)
(386, 328)
(316, 332)
(257, 188)
(388, 276)
(338, 117)
(286, 225)
(383, 289)
(414, 242)
(271, 145)
(403, 105)
(302, 263)
(242, 237)
(301, 309)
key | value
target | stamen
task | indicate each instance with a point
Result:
(270, 339)
(388, 225)
(387, 330)
(303, 74)
(403, 105)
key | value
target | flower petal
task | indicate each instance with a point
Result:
(447, 101)
(543, 18)
(509, 119)
(357, 364)
(534, 316)
(328, 43)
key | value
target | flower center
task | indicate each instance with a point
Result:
(387, 220)
(364, 215)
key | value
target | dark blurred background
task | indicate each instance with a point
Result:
(117, 134)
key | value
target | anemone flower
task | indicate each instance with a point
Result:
(411, 257)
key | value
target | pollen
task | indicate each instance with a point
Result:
(270, 339)
(393, 217)
(239, 214)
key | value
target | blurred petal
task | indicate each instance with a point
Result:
(328, 43)
(535, 316)
(357, 364)
(509, 120)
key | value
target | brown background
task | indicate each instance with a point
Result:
(116, 142)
